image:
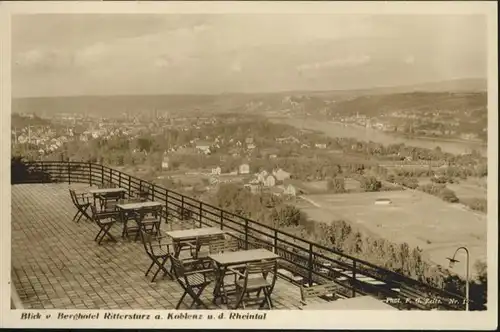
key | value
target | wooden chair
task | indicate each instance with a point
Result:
(158, 249)
(193, 281)
(110, 200)
(82, 203)
(204, 242)
(256, 279)
(149, 218)
(105, 220)
(328, 289)
(219, 246)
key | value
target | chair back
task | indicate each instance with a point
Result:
(154, 211)
(232, 244)
(147, 240)
(73, 197)
(317, 291)
(178, 267)
(98, 216)
(217, 246)
(223, 245)
(263, 269)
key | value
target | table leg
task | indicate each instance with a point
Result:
(219, 284)
(124, 218)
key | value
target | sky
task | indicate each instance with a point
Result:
(108, 54)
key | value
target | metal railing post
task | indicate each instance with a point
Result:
(354, 283)
(129, 186)
(119, 179)
(182, 207)
(90, 174)
(102, 174)
(310, 265)
(246, 234)
(166, 206)
(153, 192)
(201, 211)
(69, 173)
(221, 219)
(43, 173)
(166, 199)
(110, 176)
(275, 248)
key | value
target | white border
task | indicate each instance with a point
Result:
(276, 319)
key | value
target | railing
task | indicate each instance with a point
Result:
(309, 262)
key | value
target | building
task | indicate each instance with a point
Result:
(270, 181)
(290, 190)
(261, 177)
(281, 175)
(216, 171)
(320, 145)
(165, 164)
(203, 146)
(244, 169)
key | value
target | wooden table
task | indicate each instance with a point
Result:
(354, 303)
(191, 234)
(127, 208)
(105, 192)
(234, 258)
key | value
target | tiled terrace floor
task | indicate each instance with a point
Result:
(57, 264)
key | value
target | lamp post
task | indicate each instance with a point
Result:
(452, 263)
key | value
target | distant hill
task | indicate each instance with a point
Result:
(231, 102)
(374, 105)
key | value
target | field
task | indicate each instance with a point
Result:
(465, 189)
(416, 218)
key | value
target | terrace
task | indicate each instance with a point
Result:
(55, 263)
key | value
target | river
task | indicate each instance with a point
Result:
(336, 129)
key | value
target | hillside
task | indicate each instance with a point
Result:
(116, 105)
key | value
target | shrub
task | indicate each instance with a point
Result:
(370, 183)
(336, 185)
(477, 204)
(448, 195)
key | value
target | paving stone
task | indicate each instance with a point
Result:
(56, 264)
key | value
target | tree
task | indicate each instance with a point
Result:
(287, 215)
(336, 185)
(370, 183)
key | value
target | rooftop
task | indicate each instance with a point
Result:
(56, 263)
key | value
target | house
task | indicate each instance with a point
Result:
(270, 181)
(320, 145)
(165, 163)
(273, 156)
(261, 177)
(290, 190)
(216, 171)
(251, 146)
(238, 143)
(244, 169)
(281, 175)
(249, 140)
(203, 146)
